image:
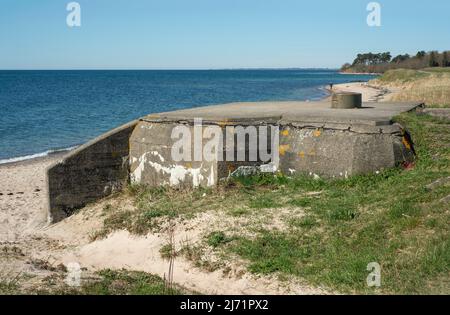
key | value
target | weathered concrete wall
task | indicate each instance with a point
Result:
(92, 171)
(151, 161)
(335, 152)
(326, 150)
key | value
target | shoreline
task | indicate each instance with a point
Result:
(35, 158)
(369, 92)
(360, 73)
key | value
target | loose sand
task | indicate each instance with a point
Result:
(22, 197)
(369, 93)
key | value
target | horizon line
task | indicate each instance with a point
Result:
(170, 69)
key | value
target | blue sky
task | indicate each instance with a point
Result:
(204, 34)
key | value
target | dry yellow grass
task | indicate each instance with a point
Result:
(429, 86)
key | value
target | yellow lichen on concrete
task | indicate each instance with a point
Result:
(223, 123)
(283, 148)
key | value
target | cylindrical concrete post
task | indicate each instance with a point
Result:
(346, 100)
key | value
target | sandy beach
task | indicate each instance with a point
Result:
(23, 197)
(369, 93)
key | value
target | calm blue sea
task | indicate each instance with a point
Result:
(44, 111)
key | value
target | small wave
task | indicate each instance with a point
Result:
(34, 156)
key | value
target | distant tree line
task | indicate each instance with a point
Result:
(381, 62)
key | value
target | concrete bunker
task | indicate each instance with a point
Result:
(312, 138)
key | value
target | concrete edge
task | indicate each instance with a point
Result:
(269, 119)
(86, 145)
(74, 153)
(353, 127)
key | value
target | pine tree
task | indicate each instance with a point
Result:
(421, 54)
(445, 61)
(433, 60)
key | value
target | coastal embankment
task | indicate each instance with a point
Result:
(428, 85)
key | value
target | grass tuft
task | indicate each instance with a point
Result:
(215, 239)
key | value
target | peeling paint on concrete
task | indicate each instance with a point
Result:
(268, 168)
(156, 153)
(211, 177)
(136, 174)
(177, 173)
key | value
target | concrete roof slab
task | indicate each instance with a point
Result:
(373, 114)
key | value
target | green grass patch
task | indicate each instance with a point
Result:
(127, 283)
(215, 239)
(239, 212)
(302, 202)
(104, 282)
(9, 287)
(264, 202)
(307, 222)
(155, 206)
(167, 251)
(402, 75)
(438, 69)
